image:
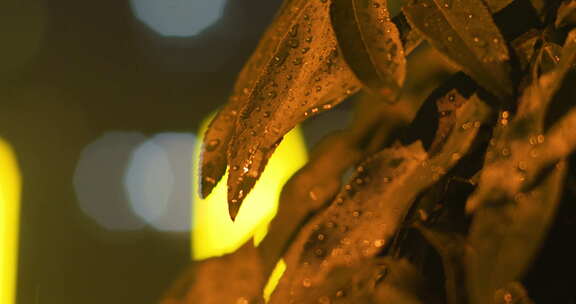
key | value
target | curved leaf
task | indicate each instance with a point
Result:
(370, 43)
(466, 34)
(305, 76)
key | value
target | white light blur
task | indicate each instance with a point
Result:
(159, 181)
(178, 18)
(98, 180)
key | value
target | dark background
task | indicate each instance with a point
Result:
(71, 71)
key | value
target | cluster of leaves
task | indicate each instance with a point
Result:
(464, 208)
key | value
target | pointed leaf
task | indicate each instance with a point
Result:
(221, 129)
(305, 76)
(466, 34)
(370, 43)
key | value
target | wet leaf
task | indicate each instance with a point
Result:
(371, 208)
(304, 76)
(466, 34)
(566, 15)
(211, 279)
(370, 43)
(221, 128)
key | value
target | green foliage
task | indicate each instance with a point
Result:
(504, 124)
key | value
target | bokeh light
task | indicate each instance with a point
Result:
(9, 221)
(99, 180)
(159, 181)
(178, 18)
(214, 233)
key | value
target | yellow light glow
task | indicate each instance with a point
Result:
(9, 220)
(274, 279)
(213, 233)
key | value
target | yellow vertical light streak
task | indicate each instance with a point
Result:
(9, 221)
(213, 233)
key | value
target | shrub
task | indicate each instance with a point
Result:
(446, 205)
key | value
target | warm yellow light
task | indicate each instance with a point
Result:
(213, 233)
(9, 219)
(274, 279)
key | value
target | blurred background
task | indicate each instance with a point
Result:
(100, 106)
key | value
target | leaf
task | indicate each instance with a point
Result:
(566, 14)
(304, 76)
(232, 278)
(465, 33)
(221, 129)
(370, 43)
(369, 211)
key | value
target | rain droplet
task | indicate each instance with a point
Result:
(312, 195)
(306, 282)
(456, 156)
